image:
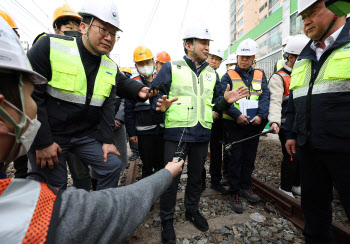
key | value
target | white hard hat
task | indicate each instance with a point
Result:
(248, 47)
(285, 40)
(199, 31)
(12, 56)
(304, 4)
(232, 59)
(105, 10)
(296, 44)
(217, 52)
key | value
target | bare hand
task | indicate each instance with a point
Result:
(117, 124)
(242, 120)
(48, 156)
(163, 103)
(145, 93)
(215, 116)
(174, 167)
(235, 95)
(291, 146)
(256, 120)
(275, 128)
(109, 148)
(134, 139)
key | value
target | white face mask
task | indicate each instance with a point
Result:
(146, 70)
(28, 136)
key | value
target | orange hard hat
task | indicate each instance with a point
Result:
(163, 57)
(126, 70)
(142, 53)
(64, 11)
(8, 19)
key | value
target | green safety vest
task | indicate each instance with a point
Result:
(334, 75)
(68, 82)
(279, 64)
(255, 89)
(195, 97)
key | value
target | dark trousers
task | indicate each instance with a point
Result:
(80, 172)
(320, 171)
(196, 153)
(290, 171)
(241, 156)
(89, 150)
(151, 149)
(21, 166)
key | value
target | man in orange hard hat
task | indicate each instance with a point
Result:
(10, 21)
(162, 58)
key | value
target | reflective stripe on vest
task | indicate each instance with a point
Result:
(26, 210)
(195, 97)
(334, 75)
(255, 89)
(286, 83)
(68, 82)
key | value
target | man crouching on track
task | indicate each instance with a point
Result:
(57, 216)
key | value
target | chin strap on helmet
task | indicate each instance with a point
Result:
(317, 44)
(87, 37)
(194, 46)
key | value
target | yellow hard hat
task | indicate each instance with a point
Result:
(142, 53)
(8, 19)
(64, 11)
(126, 70)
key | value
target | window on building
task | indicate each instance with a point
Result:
(274, 9)
(240, 1)
(263, 7)
(233, 38)
(269, 42)
(240, 11)
(233, 19)
(240, 22)
(296, 25)
(262, 19)
(272, 2)
(233, 28)
(240, 34)
(233, 2)
(233, 10)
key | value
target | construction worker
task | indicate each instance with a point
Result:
(143, 125)
(240, 122)
(216, 56)
(231, 61)
(193, 87)
(10, 21)
(162, 58)
(34, 212)
(127, 71)
(279, 93)
(317, 124)
(65, 20)
(279, 63)
(76, 108)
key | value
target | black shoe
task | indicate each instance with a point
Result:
(168, 232)
(236, 203)
(198, 220)
(219, 188)
(250, 195)
(134, 156)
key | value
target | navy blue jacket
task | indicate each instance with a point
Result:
(142, 116)
(247, 77)
(196, 133)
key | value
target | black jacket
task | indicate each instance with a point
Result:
(142, 115)
(60, 120)
(321, 120)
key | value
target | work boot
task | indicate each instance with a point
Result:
(289, 193)
(296, 190)
(168, 232)
(134, 156)
(219, 188)
(250, 195)
(198, 220)
(236, 203)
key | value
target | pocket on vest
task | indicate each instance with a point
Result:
(297, 77)
(106, 85)
(181, 109)
(339, 66)
(64, 77)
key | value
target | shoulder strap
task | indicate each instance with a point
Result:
(258, 75)
(233, 74)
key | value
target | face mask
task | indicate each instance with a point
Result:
(28, 136)
(146, 70)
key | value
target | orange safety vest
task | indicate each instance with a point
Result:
(255, 89)
(286, 82)
(33, 201)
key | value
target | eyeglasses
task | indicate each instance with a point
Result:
(105, 33)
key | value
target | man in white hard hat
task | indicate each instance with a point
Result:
(279, 94)
(241, 122)
(34, 212)
(279, 63)
(77, 105)
(231, 61)
(317, 124)
(193, 87)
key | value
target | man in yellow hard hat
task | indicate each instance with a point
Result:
(10, 21)
(65, 19)
(127, 71)
(142, 123)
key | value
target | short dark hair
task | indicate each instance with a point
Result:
(87, 19)
(185, 41)
(9, 87)
(66, 21)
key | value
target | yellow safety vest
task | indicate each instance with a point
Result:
(195, 97)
